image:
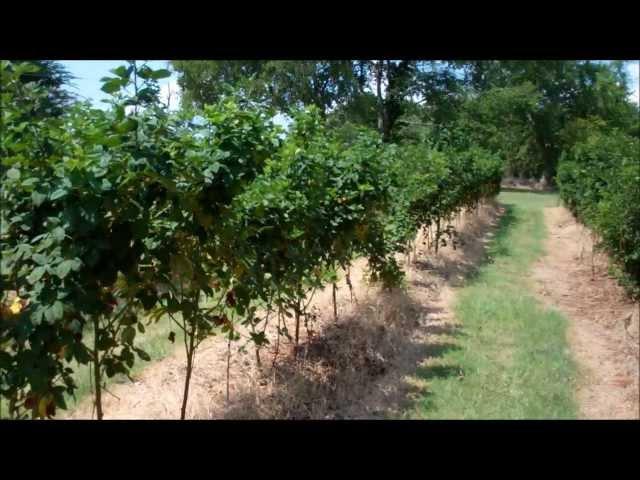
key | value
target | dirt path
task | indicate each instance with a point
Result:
(359, 367)
(603, 332)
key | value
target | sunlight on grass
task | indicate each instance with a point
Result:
(514, 362)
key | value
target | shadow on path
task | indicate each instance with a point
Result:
(358, 367)
(486, 249)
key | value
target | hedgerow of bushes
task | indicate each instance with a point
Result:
(599, 181)
(114, 219)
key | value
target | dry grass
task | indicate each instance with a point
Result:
(351, 370)
(604, 329)
(363, 365)
(358, 367)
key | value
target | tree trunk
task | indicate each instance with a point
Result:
(97, 377)
(349, 284)
(275, 355)
(187, 380)
(297, 314)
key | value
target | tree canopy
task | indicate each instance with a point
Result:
(517, 108)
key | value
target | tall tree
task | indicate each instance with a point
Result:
(440, 88)
(568, 89)
(286, 85)
(501, 120)
(325, 84)
(203, 82)
(53, 76)
(393, 81)
(345, 87)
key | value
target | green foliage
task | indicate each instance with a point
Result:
(113, 216)
(437, 184)
(442, 91)
(568, 90)
(599, 180)
(69, 210)
(502, 121)
(285, 85)
(361, 110)
(51, 77)
(514, 108)
(303, 214)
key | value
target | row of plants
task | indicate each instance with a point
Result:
(112, 220)
(599, 181)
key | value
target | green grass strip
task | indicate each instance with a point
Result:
(511, 359)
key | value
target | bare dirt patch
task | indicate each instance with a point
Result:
(604, 331)
(357, 367)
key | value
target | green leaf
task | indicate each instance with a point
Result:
(123, 72)
(54, 312)
(143, 355)
(128, 357)
(59, 398)
(36, 275)
(39, 259)
(63, 269)
(129, 319)
(112, 141)
(144, 72)
(59, 193)
(58, 234)
(259, 338)
(105, 342)
(5, 360)
(76, 263)
(82, 355)
(148, 298)
(161, 73)
(296, 233)
(13, 173)
(109, 370)
(128, 334)
(127, 125)
(37, 198)
(146, 94)
(23, 68)
(112, 85)
(37, 315)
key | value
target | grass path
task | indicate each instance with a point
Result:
(514, 361)
(510, 358)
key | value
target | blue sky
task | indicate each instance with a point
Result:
(634, 78)
(89, 73)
